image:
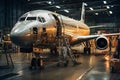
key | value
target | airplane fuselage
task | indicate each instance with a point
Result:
(45, 22)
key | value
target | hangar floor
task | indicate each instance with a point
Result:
(91, 68)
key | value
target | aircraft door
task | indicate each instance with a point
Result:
(58, 25)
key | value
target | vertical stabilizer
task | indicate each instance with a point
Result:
(83, 12)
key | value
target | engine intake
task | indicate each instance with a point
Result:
(102, 42)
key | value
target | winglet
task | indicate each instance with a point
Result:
(83, 13)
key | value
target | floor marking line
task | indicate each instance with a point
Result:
(80, 78)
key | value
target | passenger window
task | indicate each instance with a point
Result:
(41, 19)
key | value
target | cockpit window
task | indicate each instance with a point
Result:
(41, 19)
(22, 19)
(31, 18)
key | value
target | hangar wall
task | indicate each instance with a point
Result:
(10, 11)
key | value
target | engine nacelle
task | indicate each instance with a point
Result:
(102, 42)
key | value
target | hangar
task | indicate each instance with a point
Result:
(101, 16)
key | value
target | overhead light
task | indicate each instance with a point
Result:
(57, 6)
(96, 13)
(112, 6)
(85, 4)
(49, 2)
(28, 0)
(108, 7)
(91, 8)
(105, 2)
(66, 11)
(110, 12)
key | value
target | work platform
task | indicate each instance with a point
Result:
(91, 68)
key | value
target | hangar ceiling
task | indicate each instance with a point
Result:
(72, 8)
(97, 11)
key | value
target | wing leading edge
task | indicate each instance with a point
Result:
(80, 39)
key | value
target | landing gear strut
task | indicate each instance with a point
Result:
(37, 62)
(87, 50)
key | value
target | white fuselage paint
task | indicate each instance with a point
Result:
(21, 32)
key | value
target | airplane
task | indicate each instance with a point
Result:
(43, 21)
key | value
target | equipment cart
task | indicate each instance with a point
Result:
(115, 65)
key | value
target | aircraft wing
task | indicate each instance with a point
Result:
(80, 39)
(112, 34)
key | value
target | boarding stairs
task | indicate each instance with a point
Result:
(72, 56)
(61, 36)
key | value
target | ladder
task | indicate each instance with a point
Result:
(72, 56)
(7, 54)
(9, 59)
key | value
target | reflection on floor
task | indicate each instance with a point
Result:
(91, 68)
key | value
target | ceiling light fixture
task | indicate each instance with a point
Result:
(105, 2)
(57, 6)
(112, 6)
(108, 7)
(66, 11)
(49, 2)
(96, 13)
(91, 8)
(110, 12)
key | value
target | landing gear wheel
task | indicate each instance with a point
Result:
(33, 63)
(58, 64)
(42, 67)
(76, 63)
(112, 70)
(66, 63)
(87, 50)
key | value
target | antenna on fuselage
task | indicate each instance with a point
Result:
(83, 13)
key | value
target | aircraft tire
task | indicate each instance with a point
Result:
(58, 64)
(87, 50)
(112, 70)
(66, 63)
(33, 63)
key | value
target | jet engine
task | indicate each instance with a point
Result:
(102, 42)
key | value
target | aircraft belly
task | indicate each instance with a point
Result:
(23, 42)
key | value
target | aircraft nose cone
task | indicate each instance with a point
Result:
(19, 38)
(21, 33)
(16, 38)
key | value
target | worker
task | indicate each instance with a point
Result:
(65, 55)
(65, 52)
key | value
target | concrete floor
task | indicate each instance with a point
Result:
(91, 68)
